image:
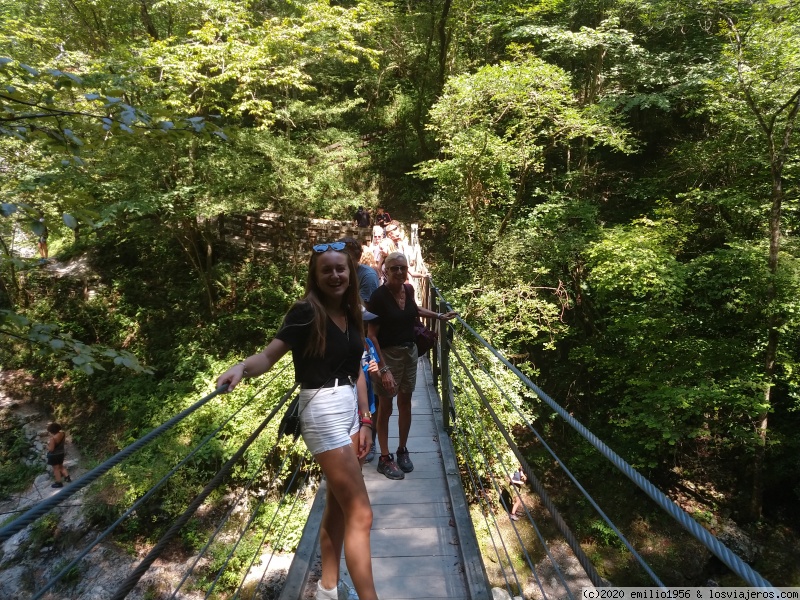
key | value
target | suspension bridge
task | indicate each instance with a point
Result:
(444, 532)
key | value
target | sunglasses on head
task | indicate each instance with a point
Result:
(338, 246)
(398, 268)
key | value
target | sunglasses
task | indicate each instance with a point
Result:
(398, 268)
(338, 246)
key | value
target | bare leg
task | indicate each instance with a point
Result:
(403, 417)
(384, 412)
(347, 521)
(517, 505)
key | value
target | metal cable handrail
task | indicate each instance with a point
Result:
(131, 581)
(46, 505)
(264, 536)
(53, 580)
(470, 464)
(736, 564)
(246, 527)
(231, 509)
(597, 581)
(546, 501)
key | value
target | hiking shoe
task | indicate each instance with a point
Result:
(57, 484)
(404, 460)
(387, 466)
(371, 454)
(68, 479)
(341, 592)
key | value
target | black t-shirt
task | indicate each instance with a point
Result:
(397, 326)
(343, 352)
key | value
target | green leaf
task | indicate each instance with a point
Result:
(70, 221)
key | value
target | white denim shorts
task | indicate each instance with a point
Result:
(328, 417)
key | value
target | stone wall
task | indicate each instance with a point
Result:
(285, 237)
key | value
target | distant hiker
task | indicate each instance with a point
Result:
(55, 454)
(517, 481)
(377, 238)
(361, 218)
(42, 241)
(382, 218)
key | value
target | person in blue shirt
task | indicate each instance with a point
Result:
(370, 363)
(367, 276)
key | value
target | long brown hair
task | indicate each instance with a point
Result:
(351, 304)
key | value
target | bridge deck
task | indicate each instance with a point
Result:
(423, 547)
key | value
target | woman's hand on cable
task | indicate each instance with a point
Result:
(446, 316)
(232, 377)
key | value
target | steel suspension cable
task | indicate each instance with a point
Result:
(499, 493)
(53, 580)
(564, 467)
(131, 581)
(228, 514)
(471, 465)
(43, 507)
(263, 540)
(562, 526)
(250, 521)
(736, 564)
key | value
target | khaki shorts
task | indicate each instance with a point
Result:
(402, 361)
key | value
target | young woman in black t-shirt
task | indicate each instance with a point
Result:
(324, 332)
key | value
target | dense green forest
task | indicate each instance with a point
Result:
(608, 190)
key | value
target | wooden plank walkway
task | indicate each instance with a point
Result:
(423, 544)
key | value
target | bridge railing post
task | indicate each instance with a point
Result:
(445, 337)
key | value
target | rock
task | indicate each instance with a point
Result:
(738, 541)
(15, 584)
(500, 594)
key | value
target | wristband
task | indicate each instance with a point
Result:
(366, 421)
(438, 316)
(244, 369)
(363, 424)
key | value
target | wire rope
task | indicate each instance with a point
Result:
(53, 580)
(250, 521)
(264, 537)
(131, 581)
(562, 526)
(42, 507)
(482, 494)
(230, 510)
(507, 509)
(736, 564)
(564, 467)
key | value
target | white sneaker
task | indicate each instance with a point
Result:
(341, 592)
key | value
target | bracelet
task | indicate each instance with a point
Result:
(366, 421)
(438, 316)
(244, 371)
(383, 370)
(363, 424)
